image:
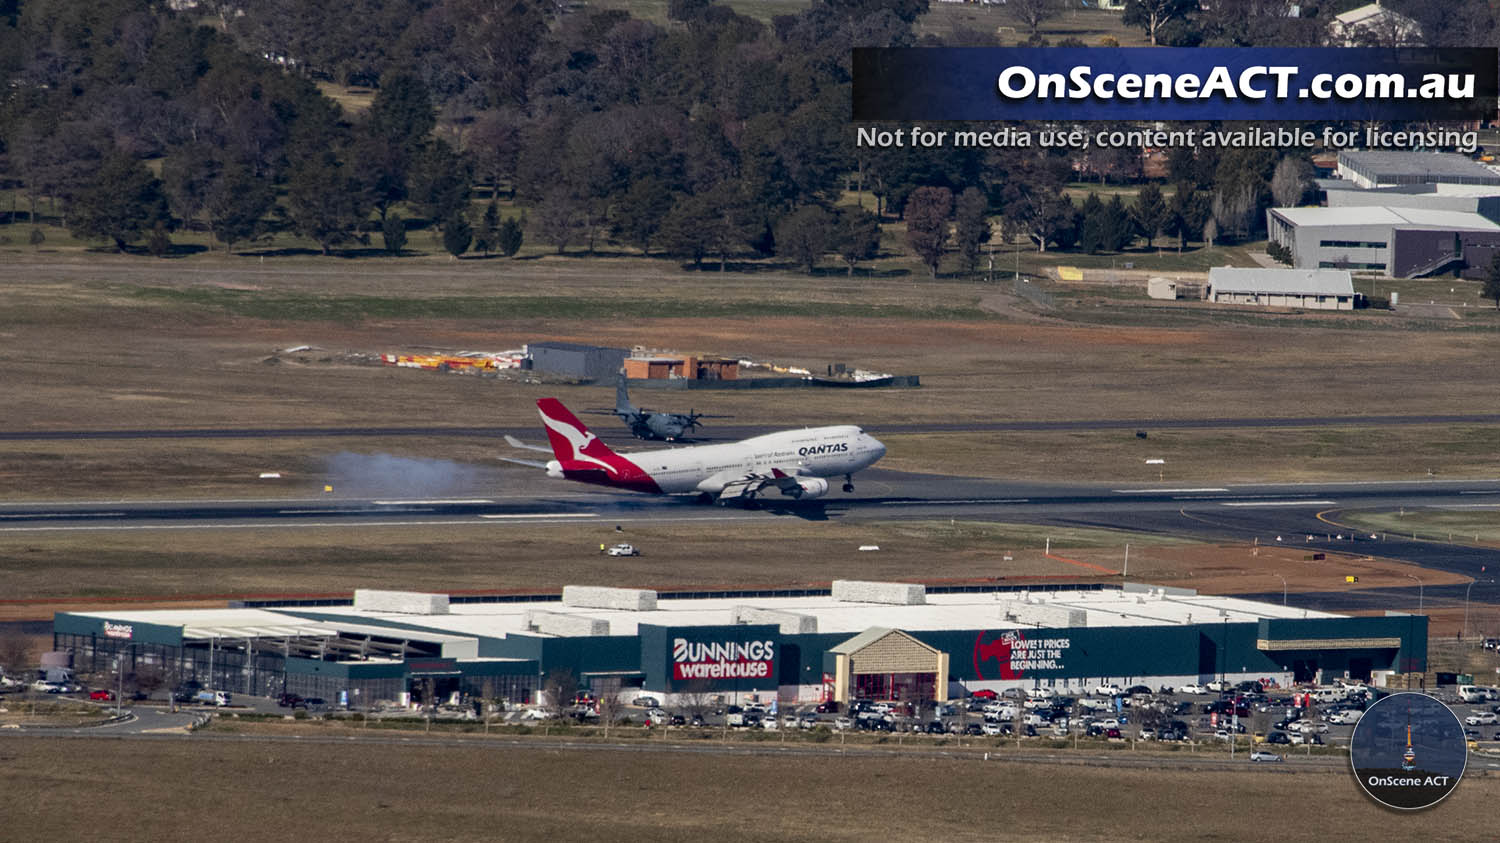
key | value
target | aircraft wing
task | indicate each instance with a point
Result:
(530, 463)
(746, 487)
(516, 443)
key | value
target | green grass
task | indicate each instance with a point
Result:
(1470, 525)
(297, 307)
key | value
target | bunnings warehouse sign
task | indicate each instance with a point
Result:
(722, 659)
(740, 657)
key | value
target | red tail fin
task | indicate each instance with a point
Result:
(583, 456)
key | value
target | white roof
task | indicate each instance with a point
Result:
(941, 612)
(1365, 15)
(1385, 215)
(969, 610)
(1321, 282)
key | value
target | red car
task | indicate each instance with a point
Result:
(101, 695)
(984, 694)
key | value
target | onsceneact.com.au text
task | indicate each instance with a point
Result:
(1257, 82)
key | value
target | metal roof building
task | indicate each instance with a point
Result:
(952, 640)
(576, 359)
(1317, 289)
(1380, 168)
(1402, 242)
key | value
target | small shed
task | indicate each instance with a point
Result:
(1314, 289)
(575, 359)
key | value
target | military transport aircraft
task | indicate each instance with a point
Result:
(646, 424)
(792, 462)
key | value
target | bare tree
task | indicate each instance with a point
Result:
(16, 653)
(1290, 181)
(1034, 13)
(559, 688)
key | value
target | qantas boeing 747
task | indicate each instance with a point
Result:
(793, 462)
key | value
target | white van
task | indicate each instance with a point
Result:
(1474, 693)
(1329, 695)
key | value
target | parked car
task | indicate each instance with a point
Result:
(993, 728)
(647, 702)
(1279, 738)
(842, 723)
(1193, 688)
(623, 550)
(1108, 689)
(1262, 755)
(1218, 686)
(1483, 718)
(101, 694)
(289, 700)
(829, 707)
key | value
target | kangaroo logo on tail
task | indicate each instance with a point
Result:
(577, 450)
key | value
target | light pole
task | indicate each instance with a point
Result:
(1466, 602)
(1419, 590)
(1283, 587)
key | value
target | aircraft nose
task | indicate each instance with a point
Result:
(878, 447)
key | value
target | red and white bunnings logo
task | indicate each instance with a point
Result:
(118, 630)
(722, 659)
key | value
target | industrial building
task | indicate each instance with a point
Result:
(1314, 289)
(689, 368)
(575, 360)
(1402, 242)
(853, 639)
(1382, 168)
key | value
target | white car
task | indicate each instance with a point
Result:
(1308, 727)
(1483, 718)
(1193, 688)
(623, 550)
(1262, 755)
(1218, 686)
(536, 714)
(1108, 690)
(1040, 693)
(842, 724)
(990, 728)
(1352, 715)
(1093, 704)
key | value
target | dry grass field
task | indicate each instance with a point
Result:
(180, 789)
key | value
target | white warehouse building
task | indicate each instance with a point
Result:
(1314, 289)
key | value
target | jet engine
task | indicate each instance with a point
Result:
(808, 488)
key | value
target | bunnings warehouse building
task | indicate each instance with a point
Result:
(855, 639)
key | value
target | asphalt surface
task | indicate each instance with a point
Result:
(713, 432)
(1303, 515)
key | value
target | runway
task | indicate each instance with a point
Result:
(1270, 514)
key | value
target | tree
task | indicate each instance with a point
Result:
(1091, 235)
(1119, 227)
(159, 244)
(971, 228)
(508, 238)
(560, 687)
(393, 233)
(36, 238)
(1152, 15)
(236, 201)
(1492, 282)
(489, 227)
(638, 216)
(1150, 212)
(558, 219)
(457, 234)
(856, 236)
(1291, 181)
(927, 214)
(804, 235)
(323, 202)
(120, 203)
(1210, 232)
(1034, 13)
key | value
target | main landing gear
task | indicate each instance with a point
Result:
(848, 482)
